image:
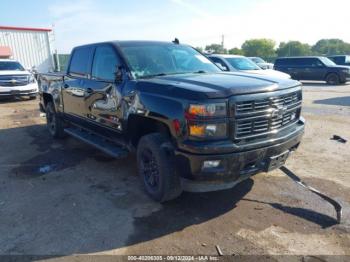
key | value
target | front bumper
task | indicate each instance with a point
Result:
(234, 167)
(345, 77)
(27, 90)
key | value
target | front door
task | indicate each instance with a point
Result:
(102, 93)
(314, 69)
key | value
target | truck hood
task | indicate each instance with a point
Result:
(213, 85)
(13, 72)
(340, 67)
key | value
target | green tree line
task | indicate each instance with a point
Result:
(267, 49)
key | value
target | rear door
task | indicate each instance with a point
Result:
(102, 93)
(291, 67)
(73, 87)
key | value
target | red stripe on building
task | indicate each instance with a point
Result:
(25, 28)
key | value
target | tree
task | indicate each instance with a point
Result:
(200, 49)
(235, 51)
(216, 49)
(293, 48)
(331, 47)
(259, 47)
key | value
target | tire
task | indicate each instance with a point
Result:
(54, 122)
(332, 79)
(155, 161)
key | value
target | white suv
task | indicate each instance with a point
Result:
(15, 80)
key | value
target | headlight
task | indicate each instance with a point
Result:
(199, 125)
(211, 110)
(216, 130)
(32, 79)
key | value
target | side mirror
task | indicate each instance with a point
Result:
(222, 67)
(119, 74)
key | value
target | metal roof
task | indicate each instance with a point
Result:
(25, 28)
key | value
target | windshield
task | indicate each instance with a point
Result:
(165, 59)
(242, 63)
(327, 61)
(257, 60)
(9, 65)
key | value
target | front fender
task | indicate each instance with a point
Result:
(157, 107)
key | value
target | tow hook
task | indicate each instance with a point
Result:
(296, 179)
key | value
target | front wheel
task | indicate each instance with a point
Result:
(54, 122)
(333, 79)
(156, 167)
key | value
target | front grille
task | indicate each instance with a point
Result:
(251, 107)
(15, 80)
(268, 115)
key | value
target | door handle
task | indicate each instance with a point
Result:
(89, 90)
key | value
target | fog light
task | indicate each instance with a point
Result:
(210, 164)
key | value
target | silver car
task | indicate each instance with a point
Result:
(261, 62)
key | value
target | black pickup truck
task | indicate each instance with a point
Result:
(192, 126)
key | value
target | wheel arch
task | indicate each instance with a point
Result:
(139, 125)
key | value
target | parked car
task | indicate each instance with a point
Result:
(15, 80)
(234, 63)
(261, 62)
(192, 126)
(340, 59)
(316, 68)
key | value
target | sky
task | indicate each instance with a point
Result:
(194, 22)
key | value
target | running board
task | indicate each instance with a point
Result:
(100, 143)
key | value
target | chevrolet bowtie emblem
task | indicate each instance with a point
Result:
(13, 81)
(278, 111)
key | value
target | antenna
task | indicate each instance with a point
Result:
(176, 41)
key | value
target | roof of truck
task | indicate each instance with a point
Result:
(292, 57)
(122, 43)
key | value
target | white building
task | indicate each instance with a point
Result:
(30, 46)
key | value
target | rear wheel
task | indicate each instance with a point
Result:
(54, 122)
(332, 79)
(156, 166)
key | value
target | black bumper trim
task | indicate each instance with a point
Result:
(234, 167)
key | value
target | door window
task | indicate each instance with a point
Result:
(81, 61)
(316, 62)
(105, 63)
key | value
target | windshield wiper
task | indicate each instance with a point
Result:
(200, 72)
(150, 76)
(177, 73)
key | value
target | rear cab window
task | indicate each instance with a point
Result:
(80, 64)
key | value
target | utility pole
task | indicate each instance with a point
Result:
(222, 41)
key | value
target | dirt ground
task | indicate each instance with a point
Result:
(62, 197)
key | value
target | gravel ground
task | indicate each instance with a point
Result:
(62, 197)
